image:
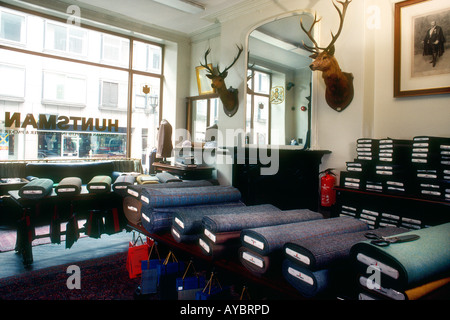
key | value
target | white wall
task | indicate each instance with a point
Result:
(363, 51)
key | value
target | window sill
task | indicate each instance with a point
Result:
(63, 104)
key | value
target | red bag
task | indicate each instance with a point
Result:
(137, 253)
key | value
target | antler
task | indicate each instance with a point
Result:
(308, 33)
(206, 62)
(329, 48)
(223, 73)
(341, 24)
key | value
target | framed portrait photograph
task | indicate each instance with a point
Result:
(203, 82)
(421, 48)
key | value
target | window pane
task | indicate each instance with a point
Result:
(11, 26)
(147, 57)
(12, 81)
(115, 49)
(145, 117)
(260, 120)
(199, 112)
(262, 82)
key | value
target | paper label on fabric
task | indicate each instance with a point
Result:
(145, 199)
(210, 235)
(131, 208)
(133, 193)
(175, 233)
(301, 276)
(254, 242)
(204, 245)
(179, 222)
(252, 259)
(391, 293)
(146, 218)
(298, 256)
(97, 187)
(66, 190)
(121, 187)
(384, 268)
(32, 192)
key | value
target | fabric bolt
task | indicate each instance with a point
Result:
(317, 254)
(408, 264)
(159, 219)
(179, 237)
(265, 240)
(121, 184)
(176, 197)
(410, 294)
(254, 262)
(99, 184)
(69, 186)
(140, 190)
(36, 189)
(189, 219)
(216, 251)
(146, 179)
(308, 283)
(166, 177)
(132, 209)
(267, 216)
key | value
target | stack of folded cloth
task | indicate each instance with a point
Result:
(262, 247)
(137, 194)
(157, 214)
(395, 151)
(36, 189)
(431, 150)
(367, 149)
(68, 186)
(405, 270)
(222, 231)
(317, 266)
(187, 221)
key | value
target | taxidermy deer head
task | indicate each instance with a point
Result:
(228, 96)
(339, 85)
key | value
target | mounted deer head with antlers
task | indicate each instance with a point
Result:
(228, 96)
(339, 85)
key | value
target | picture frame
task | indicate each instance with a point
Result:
(415, 73)
(203, 82)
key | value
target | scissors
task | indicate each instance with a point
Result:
(386, 241)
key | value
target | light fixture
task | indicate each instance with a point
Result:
(183, 5)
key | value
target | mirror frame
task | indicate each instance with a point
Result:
(314, 75)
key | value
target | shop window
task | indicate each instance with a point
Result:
(147, 57)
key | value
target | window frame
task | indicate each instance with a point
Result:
(20, 47)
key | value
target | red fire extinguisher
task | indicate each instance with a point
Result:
(327, 192)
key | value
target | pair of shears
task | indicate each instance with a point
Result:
(386, 241)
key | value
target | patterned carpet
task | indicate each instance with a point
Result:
(103, 278)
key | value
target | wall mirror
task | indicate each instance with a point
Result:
(279, 91)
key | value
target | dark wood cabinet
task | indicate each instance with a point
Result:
(294, 185)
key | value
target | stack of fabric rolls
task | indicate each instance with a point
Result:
(137, 194)
(404, 270)
(262, 247)
(315, 265)
(221, 232)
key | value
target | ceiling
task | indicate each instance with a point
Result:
(162, 16)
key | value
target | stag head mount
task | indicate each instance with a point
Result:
(339, 85)
(229, 97)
